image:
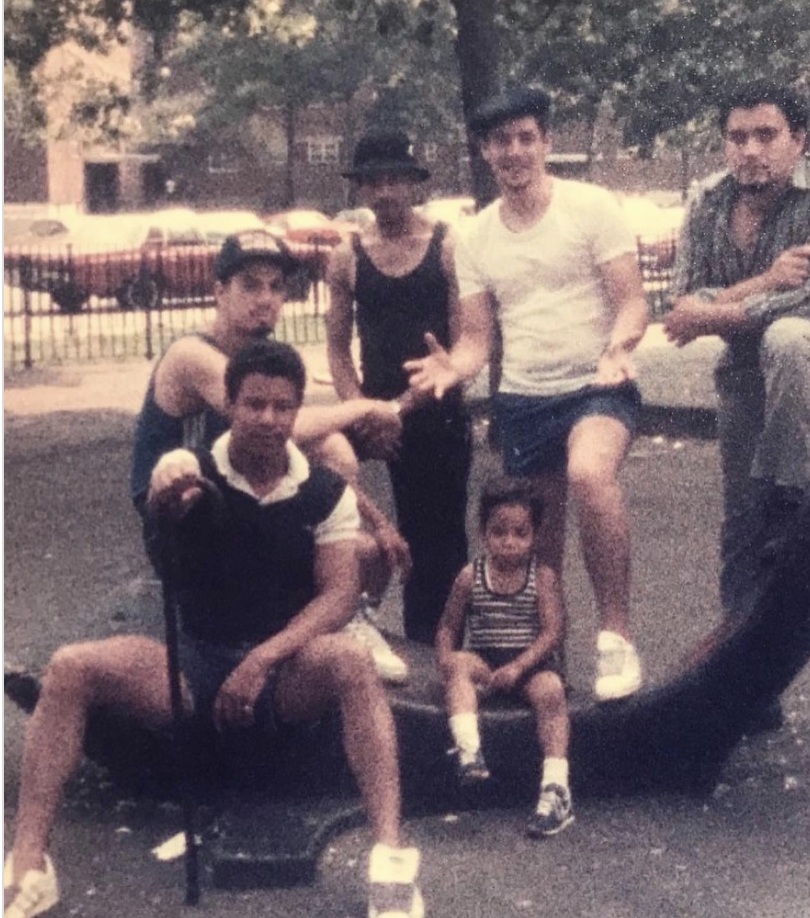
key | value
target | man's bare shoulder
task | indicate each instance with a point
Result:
(341, 263)
(185, 372)
(188, 352)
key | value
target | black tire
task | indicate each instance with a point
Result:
(143, 292)
(68, 297)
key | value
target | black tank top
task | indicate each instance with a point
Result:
(393, 314)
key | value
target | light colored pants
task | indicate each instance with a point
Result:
(764, 428)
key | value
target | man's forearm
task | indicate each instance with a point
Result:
(316, 422)
(630, 325)
(344, 375)
(328, 612)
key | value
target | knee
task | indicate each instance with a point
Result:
(547, 691)
(349, 663)
(454, 666)
(69, 672)
(786, 343)
(588, 477)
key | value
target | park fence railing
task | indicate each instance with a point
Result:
(61, 306)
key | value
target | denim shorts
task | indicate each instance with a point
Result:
(534, 430)
(206, 666)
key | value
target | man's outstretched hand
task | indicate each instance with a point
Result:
(176, 484)
(434, 373)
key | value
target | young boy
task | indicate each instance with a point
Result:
(509, 603)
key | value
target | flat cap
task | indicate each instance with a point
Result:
(518, 102)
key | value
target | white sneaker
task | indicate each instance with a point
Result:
(392, 889)
(37, 892)
(618, 670)
(389, 666)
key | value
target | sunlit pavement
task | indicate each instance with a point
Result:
(72, 539)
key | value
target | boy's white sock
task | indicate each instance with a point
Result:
(464, 728)
(555, 771)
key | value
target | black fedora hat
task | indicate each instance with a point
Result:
(385, 151)
(517, 102)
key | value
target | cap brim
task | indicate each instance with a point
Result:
(371, 169)
(288, 263)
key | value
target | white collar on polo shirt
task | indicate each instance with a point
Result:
(297, 471)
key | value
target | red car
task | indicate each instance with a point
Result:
(139, 259)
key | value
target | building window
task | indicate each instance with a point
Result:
(222, 163)
(323, 150)
(431, 151)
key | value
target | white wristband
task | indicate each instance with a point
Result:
(396, 406)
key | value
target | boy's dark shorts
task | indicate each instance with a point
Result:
(495, 657)
(534, 430)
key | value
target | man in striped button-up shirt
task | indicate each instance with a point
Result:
(743, 272)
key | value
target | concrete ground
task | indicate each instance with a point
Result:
(72, 541)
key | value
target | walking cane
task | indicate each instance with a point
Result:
(180, 723)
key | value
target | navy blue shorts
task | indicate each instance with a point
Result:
(534, 430)
(206, 666)
(496, 657)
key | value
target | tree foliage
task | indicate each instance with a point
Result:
(660, 63)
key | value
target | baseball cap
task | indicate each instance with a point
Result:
(252, 246)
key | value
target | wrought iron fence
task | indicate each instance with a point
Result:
(68, 307)
(657, 260)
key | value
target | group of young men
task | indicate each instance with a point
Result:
(272, 558)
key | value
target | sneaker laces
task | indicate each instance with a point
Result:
(552, 800)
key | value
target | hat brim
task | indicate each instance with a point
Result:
(368, 170)
(287, 262)
(498, 111)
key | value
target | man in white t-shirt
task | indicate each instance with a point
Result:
(554, 264)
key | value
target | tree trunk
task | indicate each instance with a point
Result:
(289, 171)
(477, 53)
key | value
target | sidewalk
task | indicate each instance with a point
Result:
(669, 377)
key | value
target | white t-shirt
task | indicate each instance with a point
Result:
(555, 318)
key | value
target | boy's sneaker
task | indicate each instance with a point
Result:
(470, 766)
(553, 812)
(618, 669)
(389, 666)
(392, 889)
(36, 893)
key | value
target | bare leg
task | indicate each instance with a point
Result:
(545, 692)
(333, 667)
(596, 447)
(123, 672)
(465, 670)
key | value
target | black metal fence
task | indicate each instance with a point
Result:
(66, 307)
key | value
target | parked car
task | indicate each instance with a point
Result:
(307, 227)
(139, 258)
(216, 225)
(28, 231)
(357, 218)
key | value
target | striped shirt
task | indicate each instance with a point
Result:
(503, 620)
(708, 260)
